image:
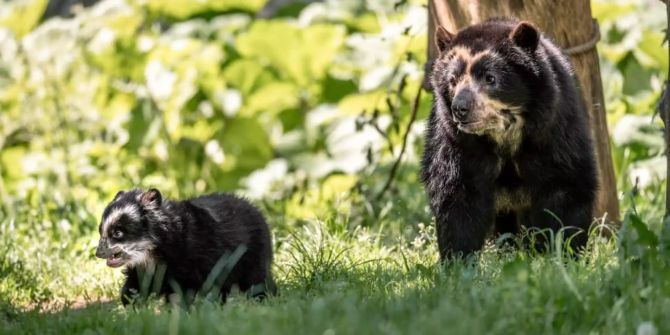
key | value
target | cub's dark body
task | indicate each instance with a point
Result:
(478, 185)
(191, 236)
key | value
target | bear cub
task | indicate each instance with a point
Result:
(507, 143)
(201, 245)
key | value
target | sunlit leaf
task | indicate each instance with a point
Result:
(300, 54)
(651, 52)
(247, 75)
(246, 144)
(22, 16)
(355, 104)
(11, 167)
(181, 9)
(273, 97)
(610, 10)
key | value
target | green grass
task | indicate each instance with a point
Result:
(361, 281)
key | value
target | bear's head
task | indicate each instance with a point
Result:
(485, 75)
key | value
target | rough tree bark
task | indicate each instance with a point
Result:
(569, 22)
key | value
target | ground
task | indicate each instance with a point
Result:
(362, 280)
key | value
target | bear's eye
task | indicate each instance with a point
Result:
(490, 79)
(117, 234)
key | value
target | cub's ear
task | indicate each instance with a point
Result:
(151, 198)
(443, 39)
(118, 195)
(526, 36)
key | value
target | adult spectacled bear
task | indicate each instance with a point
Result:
(507, 142)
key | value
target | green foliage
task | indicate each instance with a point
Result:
(22, 16)
(202, 104)
(302, 55)
(634, 66)
(184, 9)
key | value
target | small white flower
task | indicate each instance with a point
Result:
(215, 152)
(260, 182)
(231, 101)
(64, 225)
(160, 80)
(646, 328)
(375, 78)
(145, 43)
(161, 150)
(103, 39)
(205, 108)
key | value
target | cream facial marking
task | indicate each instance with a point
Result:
(132, 254)
(467, 56)
(130, 210)
(137, 253)
(502, 122)
(458, 51)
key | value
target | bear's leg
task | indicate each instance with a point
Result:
(131, 287)
(462, 228)
(258, 283)
(558, 211)
(506, 224)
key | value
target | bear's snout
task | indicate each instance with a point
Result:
(462, 104)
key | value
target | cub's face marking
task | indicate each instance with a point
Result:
(124, 235)
(130, 210)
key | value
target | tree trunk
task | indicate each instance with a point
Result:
(570, 24)
(63, 8)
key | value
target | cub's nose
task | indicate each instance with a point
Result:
(102, 251)
(462, 104)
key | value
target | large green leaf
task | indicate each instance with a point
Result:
(355, 104)
(651, 52)
(610, 10)
(182, 9)
(21, 16)
(245, 144)
(301, 54)
(247, 75)
(637, 77)
(10, 163)
(272, 98)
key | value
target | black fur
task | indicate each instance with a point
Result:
(554, 163)
(186, 240)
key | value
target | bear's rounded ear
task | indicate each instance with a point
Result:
(526, 36)
(119, 194)
(152, 197)
(443, 39)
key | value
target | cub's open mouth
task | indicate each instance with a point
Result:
(115, 260)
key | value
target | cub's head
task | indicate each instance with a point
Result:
(484, 75)
(125, 235)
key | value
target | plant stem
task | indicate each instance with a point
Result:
(394, 169)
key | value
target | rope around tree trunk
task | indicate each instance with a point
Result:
(588, 45)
